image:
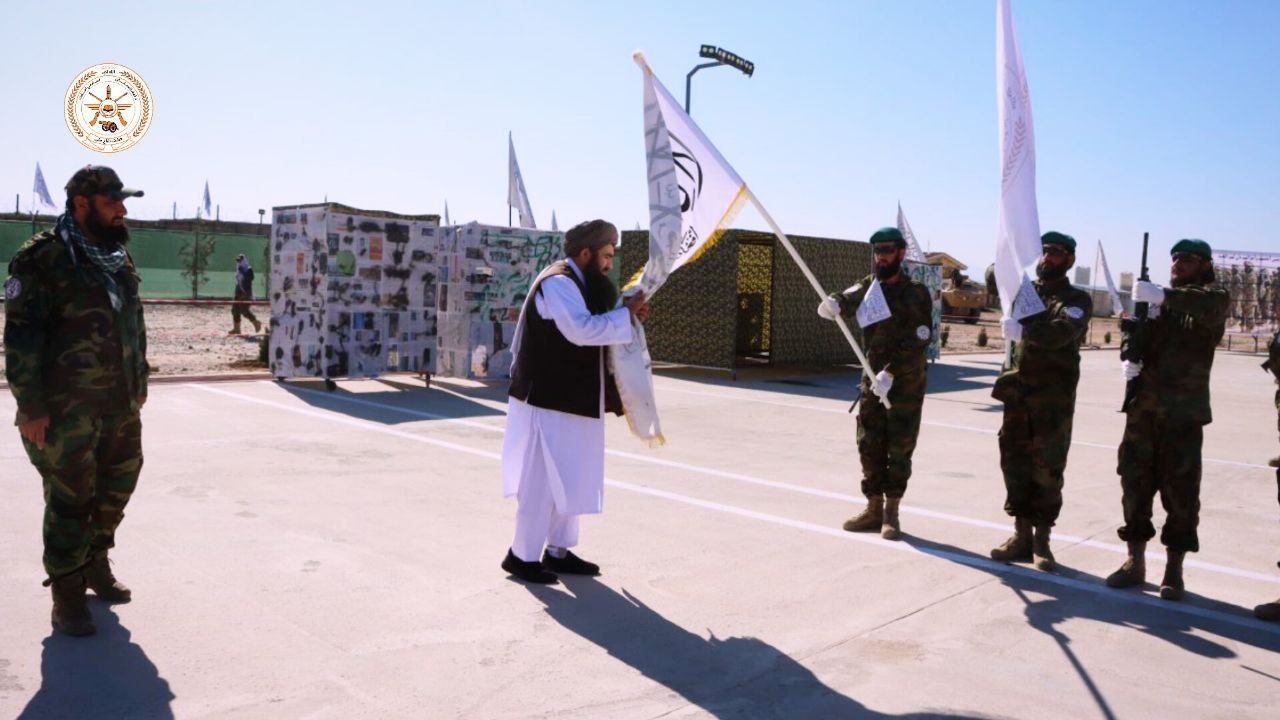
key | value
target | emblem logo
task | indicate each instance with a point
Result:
(108, 108)
(12, 288)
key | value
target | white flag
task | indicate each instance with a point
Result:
(1104, 270)
(555, 227)
(1018, 234)
(516, 196)
(693, 192)
(41, 190)
(913, 247)
(874, 307)
(208, 209)
(446, 214)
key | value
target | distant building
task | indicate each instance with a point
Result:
(1126, 281)
(1082, 276)
(945, 260)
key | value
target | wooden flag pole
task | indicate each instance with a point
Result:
(817, 286)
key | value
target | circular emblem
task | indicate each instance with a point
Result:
(108, 108)
(1074, 313)
(12, 288)
(922, 332)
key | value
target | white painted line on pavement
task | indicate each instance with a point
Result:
(952, 426)
(1153, 556)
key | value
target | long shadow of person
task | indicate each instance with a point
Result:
(101, 676)
(737, 677)
(1075, 594)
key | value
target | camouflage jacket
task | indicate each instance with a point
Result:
(1046, 363)
(1180, 347)
(1273, 357)
(64, 344)
(899, 342)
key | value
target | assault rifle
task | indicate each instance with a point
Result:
(1135, 331)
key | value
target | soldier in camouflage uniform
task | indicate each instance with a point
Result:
(75, 359)
(1271, 611)
(895, 348)
(1038, 390)
(1164, 429)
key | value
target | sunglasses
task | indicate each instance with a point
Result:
(1185, 257)
(1054, 251)
(884, 249)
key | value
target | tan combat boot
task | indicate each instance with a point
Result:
(890, 529)
(1133, 571)
(1018, 547)
(1274, 462)
(1040, 549)
(869, 519)
(257, 325)
(1171, 587)
(103, 582)
(1268, 611)
(70, 610)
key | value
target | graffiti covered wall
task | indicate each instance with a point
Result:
(485, 277)
(353, 291)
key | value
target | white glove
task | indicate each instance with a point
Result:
(1153, 312)
(1148, 292)
(1131, 369)
(881, 384)
(1011, 329)
(829, 309)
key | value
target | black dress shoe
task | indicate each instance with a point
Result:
(532, 572)
(570, 564)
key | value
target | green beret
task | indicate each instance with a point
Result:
(1195, 247)
(1058, 238)
(888, 234)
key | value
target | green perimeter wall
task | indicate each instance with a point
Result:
(155, 252)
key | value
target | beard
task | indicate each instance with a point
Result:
(106, 233)
(602, 294)
(884, 272)
(1050, 272)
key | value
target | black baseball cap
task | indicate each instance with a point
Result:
(99, 180)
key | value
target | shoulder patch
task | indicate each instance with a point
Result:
(922, 332)
(1074, 312)
(12, 288)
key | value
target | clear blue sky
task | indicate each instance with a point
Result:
(1150, 115)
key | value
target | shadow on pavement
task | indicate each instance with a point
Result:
(734, 677)
(403, 402)
(101, 676)
(1065, 603)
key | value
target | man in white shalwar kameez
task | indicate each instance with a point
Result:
(553, 450)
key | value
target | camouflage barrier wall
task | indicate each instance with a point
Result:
(746, 298)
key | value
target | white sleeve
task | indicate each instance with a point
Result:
(562, 302)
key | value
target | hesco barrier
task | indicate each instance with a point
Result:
(155, 250)
(744, 301)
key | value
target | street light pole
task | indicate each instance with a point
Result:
(720, 57)
(688, 81)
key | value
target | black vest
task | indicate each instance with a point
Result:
(552, 373)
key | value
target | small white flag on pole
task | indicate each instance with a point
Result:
(1104, 270)
(874, 306)
(446, 214)
(516, 195)
(555, 227)
(1018, 233)
(41, 190)
(208, 202)
(913, 248)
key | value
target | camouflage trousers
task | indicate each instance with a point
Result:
(1160, 453)
(90, 466)
(886, 442)
(1034, 440)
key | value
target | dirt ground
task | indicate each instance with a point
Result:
(193, 340)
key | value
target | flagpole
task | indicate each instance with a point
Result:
(817, 286)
